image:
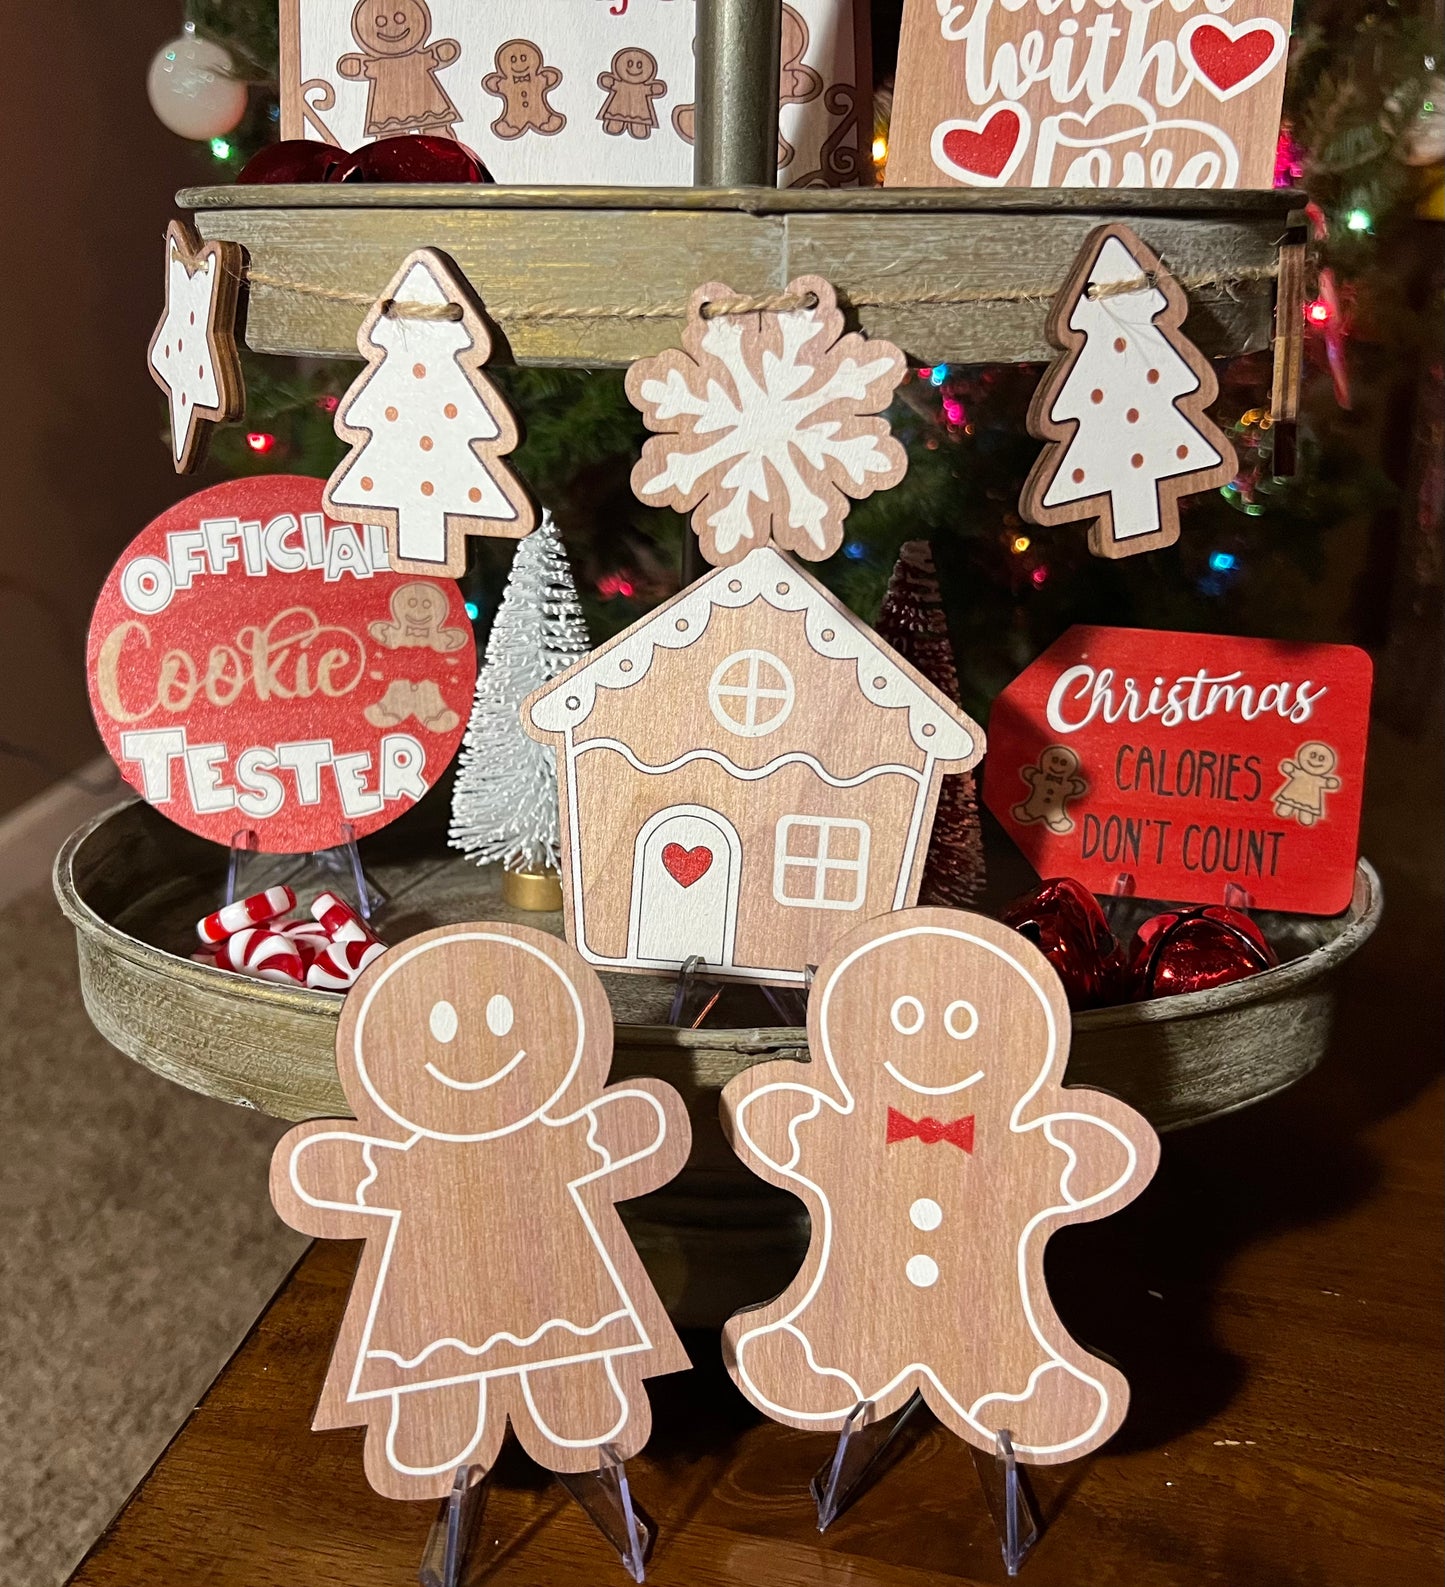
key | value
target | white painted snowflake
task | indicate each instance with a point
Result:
(764, 426)
(193, 354)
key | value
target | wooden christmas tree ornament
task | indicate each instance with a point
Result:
(1124, 406)
(743, 773)
(936, 1150)
(482, 1169)
(767, 421)
(193, 355)
(427, 429)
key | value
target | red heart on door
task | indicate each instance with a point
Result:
(1232, 58)
(685, 866)
(986, 150)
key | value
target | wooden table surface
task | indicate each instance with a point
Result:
(1274, 1299)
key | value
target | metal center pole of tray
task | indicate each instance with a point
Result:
(738, 43)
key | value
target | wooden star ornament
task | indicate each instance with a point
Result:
(194, 357)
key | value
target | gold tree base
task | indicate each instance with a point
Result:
(534, 890)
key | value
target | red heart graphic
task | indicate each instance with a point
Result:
(984, 153)
(1226, 61)
(685, 866)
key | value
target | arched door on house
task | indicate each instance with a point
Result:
(685, 869)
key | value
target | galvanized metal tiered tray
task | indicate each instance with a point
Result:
(602, 275)
(133, 885)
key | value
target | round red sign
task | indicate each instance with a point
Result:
(257, 668)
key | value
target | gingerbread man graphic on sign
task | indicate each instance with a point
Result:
(936, 1151)
(419, 613)
(1308, 778)
(1051, 783)
(406, 94)
(522, 83)
(482, 1171)
(631, 86)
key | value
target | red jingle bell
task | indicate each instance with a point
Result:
(1191, 950)
(412, 159)
(1063, 920)
(294, 160)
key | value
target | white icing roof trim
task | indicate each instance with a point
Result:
(757, 577)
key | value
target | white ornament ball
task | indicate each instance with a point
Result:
(191, 89)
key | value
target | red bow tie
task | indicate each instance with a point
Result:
(958, 1132)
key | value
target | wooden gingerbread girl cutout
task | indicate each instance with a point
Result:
(193, 356)
(401, 62)
(937, 1151)
(1308, 777)
(523, 83)
(767, 423)
(1124, 406)
(482, 1170)
(631, 87)
(427, 429)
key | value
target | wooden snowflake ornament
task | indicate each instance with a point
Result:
(767, 423)
(427, 429)
(193, 354)
(1125, 405)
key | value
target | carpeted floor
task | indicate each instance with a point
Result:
(137, 1245)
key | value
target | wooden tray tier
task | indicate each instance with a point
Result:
(133, 885)
(601, 276)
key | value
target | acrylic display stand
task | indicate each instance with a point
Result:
(328, 866)
(604, 1494)
(857, 1460)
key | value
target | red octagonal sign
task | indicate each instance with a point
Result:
(256, 667)
(1174, 765)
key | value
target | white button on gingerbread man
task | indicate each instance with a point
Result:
(936, 1151)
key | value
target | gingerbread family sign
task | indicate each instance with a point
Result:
(1095, 94)
(566, 91)
(482, 1170)
(937, 1150)
(259, 672)
(1177, 766)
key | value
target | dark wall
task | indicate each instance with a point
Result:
(87, 179)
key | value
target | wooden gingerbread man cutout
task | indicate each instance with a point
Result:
(482, 1170)
(523, 83)
(1124, 404)
(194, 357)
(631, 87)
(936, 1151)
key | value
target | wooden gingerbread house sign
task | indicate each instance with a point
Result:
(744, 774)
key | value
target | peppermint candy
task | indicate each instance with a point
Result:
(336, 970)
(266, 955)
(253, 911)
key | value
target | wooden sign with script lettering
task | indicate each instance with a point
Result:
(256, 667)
(1186, 762)
(1096, 94)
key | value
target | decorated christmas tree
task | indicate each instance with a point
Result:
(1134, 391)
(912, 621)
(505, 804)
(428, 429)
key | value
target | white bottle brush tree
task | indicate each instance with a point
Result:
(505, 803)
(1124, 406)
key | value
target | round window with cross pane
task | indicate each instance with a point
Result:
(751, 693)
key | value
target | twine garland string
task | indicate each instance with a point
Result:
(767, 303)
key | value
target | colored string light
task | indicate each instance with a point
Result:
(259, 441)
(1222, 561)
